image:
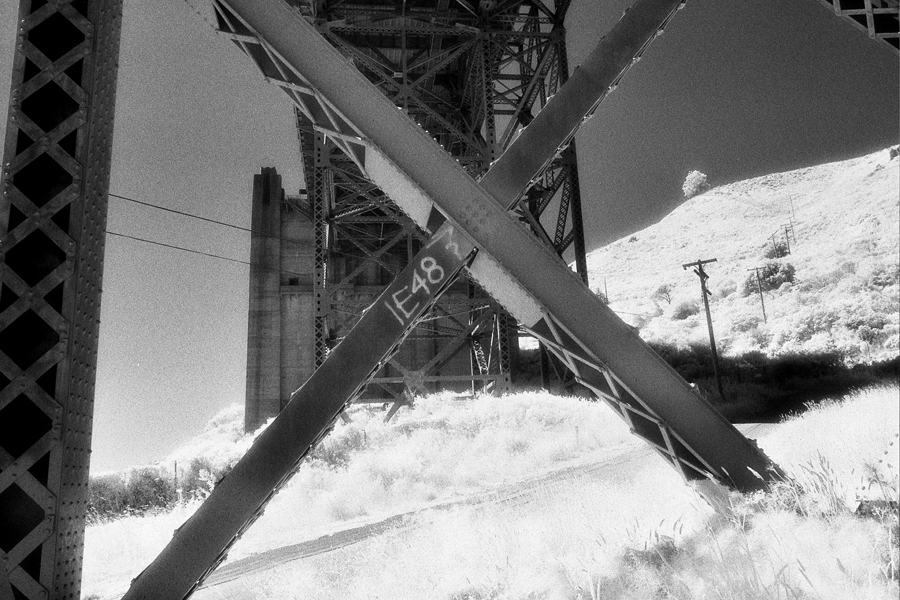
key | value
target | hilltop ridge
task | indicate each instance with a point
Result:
(836, 291)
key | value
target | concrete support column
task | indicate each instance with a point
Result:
(281, 320)
(263, 399)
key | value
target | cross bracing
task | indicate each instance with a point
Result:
(56, 168)
(472, 79)
(515, 268)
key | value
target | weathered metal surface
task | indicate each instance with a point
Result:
(52, 220)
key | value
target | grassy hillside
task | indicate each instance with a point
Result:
(836, 292)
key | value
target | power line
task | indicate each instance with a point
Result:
(173, 247)
(231, 225)
(224, 224)
(185, 214)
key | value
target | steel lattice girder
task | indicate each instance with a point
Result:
(418, 56)
(467, 219)
(356, 219)
(880, 19)
(52, 220)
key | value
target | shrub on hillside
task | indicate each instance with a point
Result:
(136, 493)
(744, 323)
(685, 309)
(771, 277)
(149, 489)
(107, 496)
(695, 183)
(883, 275)
(776, 250)
(200, 477)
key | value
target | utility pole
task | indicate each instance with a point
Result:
(787, 239)
(704, 292)
(774, 239)
(759, 289)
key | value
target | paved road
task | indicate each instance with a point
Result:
(625, 460)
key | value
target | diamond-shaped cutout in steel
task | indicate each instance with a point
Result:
(27, 339)
(19, 515)
(36, 4)
(42, 179)
(49, 106)
(55, 36)
(35, 257)
(22, 424)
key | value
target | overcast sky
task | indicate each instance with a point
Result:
(735, 88)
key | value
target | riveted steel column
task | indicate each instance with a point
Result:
(52, 220)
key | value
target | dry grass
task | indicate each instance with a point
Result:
(639, 534)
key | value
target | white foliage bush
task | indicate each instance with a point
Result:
(695, 183)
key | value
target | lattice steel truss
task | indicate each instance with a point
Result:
(52, 219)
(472, 77)
(878, 18)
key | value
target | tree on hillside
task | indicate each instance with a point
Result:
(664, 292)
(695, 183)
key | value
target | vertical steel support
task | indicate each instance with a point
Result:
(52, 219)
(312, 147)
(572, 190)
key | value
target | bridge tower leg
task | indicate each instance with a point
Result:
(280, 349)
(52, 220)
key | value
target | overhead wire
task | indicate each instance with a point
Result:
(185, 214)
(223, 224)
(172, 246)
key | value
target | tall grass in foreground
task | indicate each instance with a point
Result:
(643, 534)
(367, 470)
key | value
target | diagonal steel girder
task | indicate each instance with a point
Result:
(472, 229)
(524, 276)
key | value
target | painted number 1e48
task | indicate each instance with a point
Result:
(426, 276)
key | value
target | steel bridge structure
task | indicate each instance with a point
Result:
(53, 213)
(473, 79)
